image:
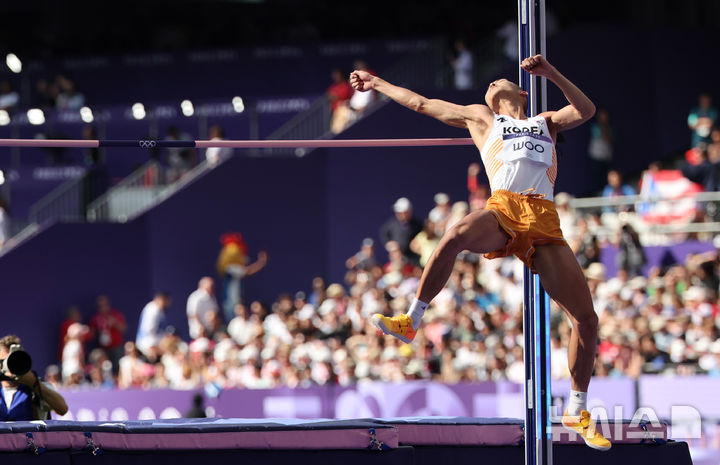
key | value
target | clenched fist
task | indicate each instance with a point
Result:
(537, 66)
(361, 80)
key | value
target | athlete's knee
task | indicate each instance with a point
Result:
(586, 322)
(457, 238)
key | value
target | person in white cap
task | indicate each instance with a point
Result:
(441, 211)
(401, 228)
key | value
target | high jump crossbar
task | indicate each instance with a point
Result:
(240, 144)
(536, 308)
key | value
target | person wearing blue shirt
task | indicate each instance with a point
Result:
(616, 188)
(26, 397)
(701, 120)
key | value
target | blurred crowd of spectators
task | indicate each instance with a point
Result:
(58, 93)
(664, 322)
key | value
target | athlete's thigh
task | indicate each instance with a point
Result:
(563, 279)
(479, 232)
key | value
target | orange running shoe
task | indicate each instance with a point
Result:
(399, 326)
(585, 427)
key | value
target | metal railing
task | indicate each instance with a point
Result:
(132, 195)
(418, 70)
(67, 202)
(141, 191)
(613, 215)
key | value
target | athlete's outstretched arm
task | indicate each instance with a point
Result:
(448, 113)
(581, 107)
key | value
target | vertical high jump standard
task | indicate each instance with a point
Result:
(536, 308)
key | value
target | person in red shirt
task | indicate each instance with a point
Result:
(339, 94)
(108, 327)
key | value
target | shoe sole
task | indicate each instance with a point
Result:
(589, 444)
(377, 322)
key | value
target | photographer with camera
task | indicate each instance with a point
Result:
(23, 395)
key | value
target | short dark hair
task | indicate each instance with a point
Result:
(163, 294)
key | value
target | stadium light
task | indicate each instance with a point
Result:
(2, 177)
(13, 62)
(138, 111)
(36, 116)
(187, 108)
(4, 118)
(86, 115)
(238, 104)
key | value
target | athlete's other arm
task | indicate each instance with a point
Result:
(448, 113)
(581, 107)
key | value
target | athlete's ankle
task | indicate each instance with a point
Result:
(416, 312)
(577, 402)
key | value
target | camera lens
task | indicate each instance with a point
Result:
(18, 362)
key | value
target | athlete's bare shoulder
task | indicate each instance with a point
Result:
(480, 123)
(481, 113)
(551, 125)
(480, 119)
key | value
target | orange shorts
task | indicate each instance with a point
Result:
(529, 221)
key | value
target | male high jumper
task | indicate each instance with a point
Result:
(520, 217)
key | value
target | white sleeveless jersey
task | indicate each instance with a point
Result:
(520, 155)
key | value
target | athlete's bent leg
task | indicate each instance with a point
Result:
(478, 232)
(563, 279)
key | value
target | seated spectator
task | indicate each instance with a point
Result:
(701, 119)
(600, 148)
(152, 326)
(202, 309)
(214, 155)
(426, 240)
(401, 228)
(45, 95)
(244, 327)
(130, 365)
(655, 359)
(713, 148)
(705, 171)
(616, 188)
(365, 258)
(397, 261)
(68, 97)
(72, 315)
(567, 216)
(361, 100)
(458, 211)
(462, 65)
(478, 193)
(441, 212)
(108, 327)
(179, 160)
(8, 97)
(73, 355)
(631, 255)
(317, 295)
(586, 246)
(339, 94)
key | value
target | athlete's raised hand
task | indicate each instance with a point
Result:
(537, 66)
(361, 80)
